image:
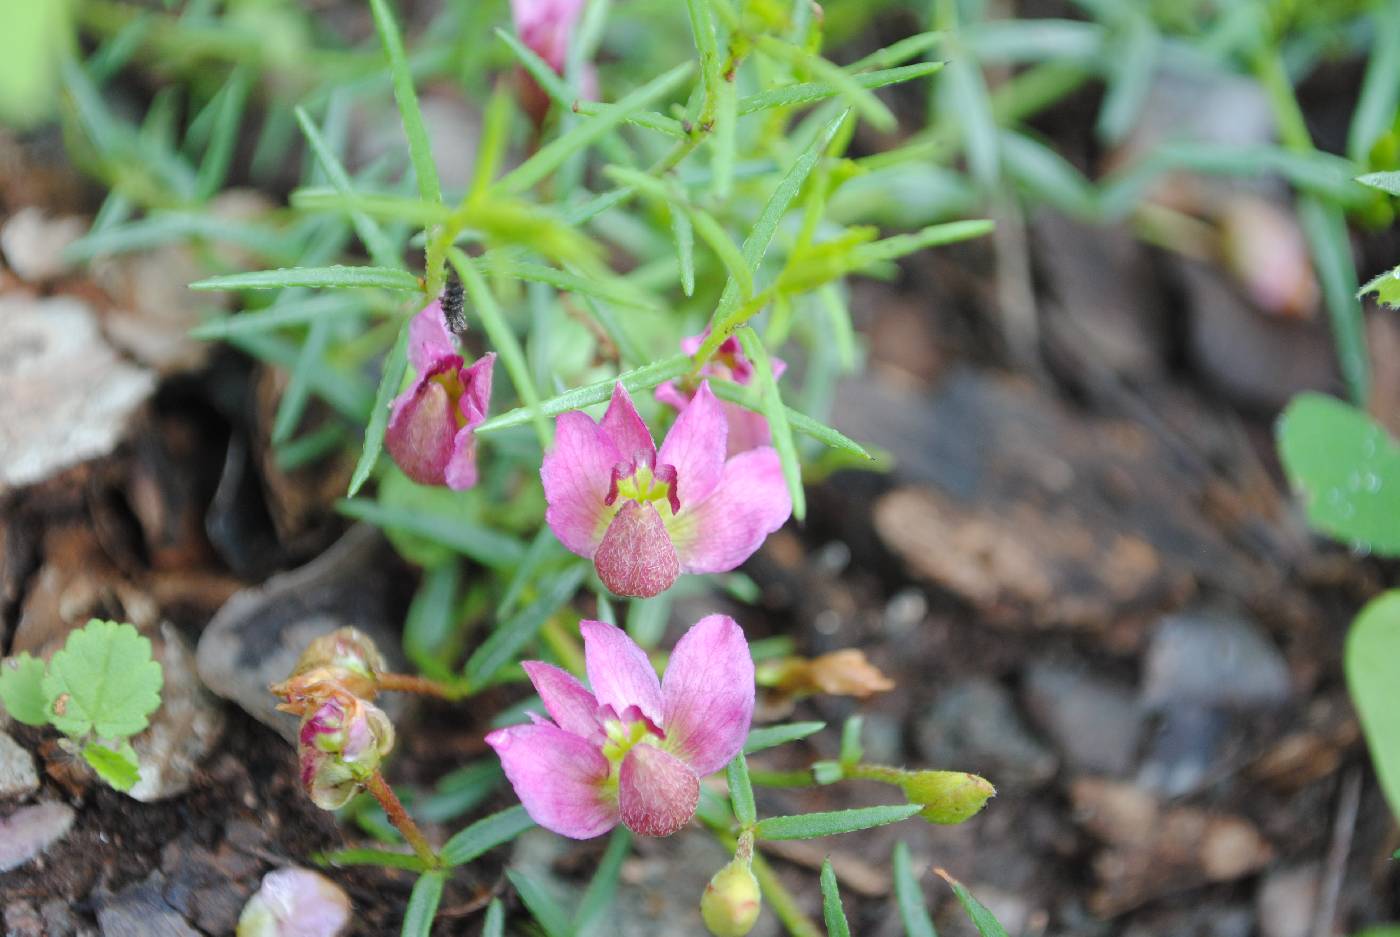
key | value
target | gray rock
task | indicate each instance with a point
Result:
(256, 638)
(28, 832)
(48, 420)
(1287, 901)
(1182, 750)
(22, 920)
(33, 243)
(18, 778)
(974, 726)
(183, 731)
(1213, 659)
(140, 911)
(1096, 723)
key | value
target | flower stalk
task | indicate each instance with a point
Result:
(394, 810)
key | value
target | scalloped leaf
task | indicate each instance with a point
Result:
(22, 689)
(104, 681)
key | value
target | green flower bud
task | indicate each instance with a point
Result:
(948, 797)
(731, 901)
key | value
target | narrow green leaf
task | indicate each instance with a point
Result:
(543, 548)
(901, 245)
(395, 366)
(495, 925)
(551, 156)
(484, 834)
(778, 424)
(1380, 89)
(684, 235)
(804, 93)
(741, 791)
(612, 288)
(1385, 181)
(284, 313)
(376, 857)
(504, 340)
(419, 146)
(897, 52)
(1047, 175)
(827, 435)
(169, 227)
(380, 205)
(341, 390)
(964, 93)
(337, 276)
(381, 251)
(773, 736)
(213, 170)
(1325, 226)
(512, 635)
(1131, 71)
(724, 138)
(909, 896)
(603, 888)
(851, 749)
(429, 626)
(488, 547)
(981, 918)
(647, 618)
(548, 913)
(423, 904)
(725, 320)
(295, 395)
(459, 791)
(860, 98)
(832, 912)
(638, 379)
(814, 825)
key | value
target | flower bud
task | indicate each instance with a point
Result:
(948, 797)
(341, 744)
(731, 901)
(295, 903)
(345, 658)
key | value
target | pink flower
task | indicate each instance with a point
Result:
(635, 748)
(645, 516)
(747, 429)
(341, 743)
(430, 433)
(546, 27)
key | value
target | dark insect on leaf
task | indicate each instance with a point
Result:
(453, 307)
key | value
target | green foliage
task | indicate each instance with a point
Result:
(103, 681)
(1372, 662)
(1346, 468)
(832, 912)
(485, 834)
(765, 737)
(117, 766)
(985, 922)
(423, 904)
(100, 688)
(909, 897)
(22, 689)
(832, 823)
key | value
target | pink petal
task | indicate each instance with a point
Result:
(460, 473)
(636, 557)
(626, 428)
(747, 429)
(670, 395)
(657, 793)
(545, 26)
(619, 670)
(421, 430)
(708, 694)
(575, 475)
(567, 700)
(558, 777)
(476, 390)
(750, 502)
(696, 445)
(429, 338)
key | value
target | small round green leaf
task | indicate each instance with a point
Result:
(22, 690)
(1372, 663)
(1347, 469)
(118, 767)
